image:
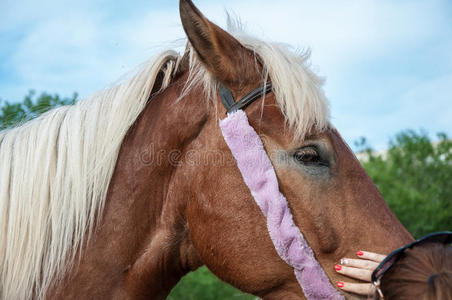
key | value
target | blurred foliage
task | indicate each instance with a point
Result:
(203, 285)
(12, 114)
(414, 176)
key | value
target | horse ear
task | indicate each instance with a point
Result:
(220, 52)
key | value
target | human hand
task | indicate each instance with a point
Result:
(361, 269)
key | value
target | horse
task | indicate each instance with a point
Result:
(125, 192)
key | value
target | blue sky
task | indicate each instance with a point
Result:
(388, 64)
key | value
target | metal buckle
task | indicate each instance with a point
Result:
(377, 288)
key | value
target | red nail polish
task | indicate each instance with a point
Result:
(337, 267)
(340, 284)
(359, 253)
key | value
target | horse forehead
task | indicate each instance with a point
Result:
(338, 144)
(268, 119)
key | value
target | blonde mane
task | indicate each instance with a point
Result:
(55, 170)
(297, 88)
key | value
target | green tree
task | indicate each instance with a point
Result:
(12, 114)
(203, 285)
(415, 176)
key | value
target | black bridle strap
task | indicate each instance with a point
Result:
(231, 106)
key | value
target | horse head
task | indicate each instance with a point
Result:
(121, 195)
(333, 201)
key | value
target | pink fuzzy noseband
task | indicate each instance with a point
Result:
(260, 177)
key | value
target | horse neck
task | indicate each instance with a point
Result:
(141, 248)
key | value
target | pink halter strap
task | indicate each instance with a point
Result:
(259, 175)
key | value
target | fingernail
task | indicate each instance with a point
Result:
(340, 284)
(337, 267)
(359, 253)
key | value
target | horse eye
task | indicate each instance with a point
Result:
(308, 155)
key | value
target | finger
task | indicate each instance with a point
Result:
(356, 273)
(365, 289)
(371, 256)
(359, 263)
